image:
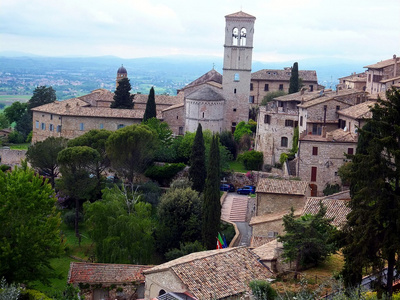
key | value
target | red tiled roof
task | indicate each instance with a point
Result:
(282, 186)
(105, 273)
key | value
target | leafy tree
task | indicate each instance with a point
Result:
(294, 79)
(24, 125)
(76, 165)
(4, 123)
(121, 227)
(122, 96)
(241, 129)
(179, 214)
(150, 111)
(166, 151)
(227, 140)
(15, 111)
(184, 249)
(163, 174)
(197, 171)
(29, 232)
(252, 160)
(42, 95)
(371, 236)
(309, 239)
(271, 96)
(211, 211)
(43, 156)
(15, 137)
(131, 150)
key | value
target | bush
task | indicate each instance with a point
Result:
(252, 160)
(5, 168)
(262, 290)
(16, 138)
(33, 295)
(163, 174)
(69, 218)
(184, 249)
(331, 189)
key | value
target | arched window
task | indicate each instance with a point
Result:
(243, 37)
(237, 77)
(284, 142)
(235, 36)
(161, 292)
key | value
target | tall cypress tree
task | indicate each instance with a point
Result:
(122, 95)
(294, 79)
(150, 111)
(211, 213)
(371, 236)
(197, 171)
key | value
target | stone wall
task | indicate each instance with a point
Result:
(275, 203)
(11, 157)
(163, 280)
(175, 118)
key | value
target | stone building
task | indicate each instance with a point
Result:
(356, 116)
(353, 81)
(213, 274)
(382, 75)
(265, 81)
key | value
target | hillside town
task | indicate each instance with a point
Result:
(305, 136)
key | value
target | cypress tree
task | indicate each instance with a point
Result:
(122, 96)
(294, 79)
(197, 171)
(211, 213)
(150, 111)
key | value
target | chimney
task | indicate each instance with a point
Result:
(323, 131)
(329, 136)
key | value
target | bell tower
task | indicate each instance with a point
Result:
(121, 73)
(238, 51)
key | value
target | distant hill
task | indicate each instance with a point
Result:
(20, 73)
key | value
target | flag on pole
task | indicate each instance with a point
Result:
(219, 246)
(225, 243)
(221, 241)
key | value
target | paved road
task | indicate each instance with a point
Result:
(238, 209)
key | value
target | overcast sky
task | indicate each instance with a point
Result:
(285, 30)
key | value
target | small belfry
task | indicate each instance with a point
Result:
(121, 74)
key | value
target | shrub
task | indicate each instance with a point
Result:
(262, 290)
(331, 189)
(252, 160)
(5, 168)
(163, 174)
(34, 295)
(16, 138)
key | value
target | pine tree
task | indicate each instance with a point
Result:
(42, 95)
(150, 111)
(122, 96)
(211, 213)
(197, 171)
(294, 79)
(372, 234)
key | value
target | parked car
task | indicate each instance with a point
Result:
(227, 187)
(247, 189)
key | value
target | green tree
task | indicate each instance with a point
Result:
(24, 125)
(294, 79)
(179, 214)
(262, 290)
(4, 123)
(241, 129)
(150, 111)
(308, 240)
(76, 165)
(42, 95)
(29, 232)
(197, 171)
(184, 249)
(131, 150)
(252, 160)
(211, 210)
(122, 96)
(121, 227)
(43, 156)
(371, 236)
(271, 96)
(15, 111)
(166, 152)
(227, 140)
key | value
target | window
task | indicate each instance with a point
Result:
(180, 130)
(266, 87)
(58, 128)
(235, 36)
(313, 173)
(251, 86)
(316, 129)
(43, 126)
(314, 150)
(311, 87)
(337, 107)
(289, 123)
(243, 37)
(233, 128)
(301, 120)
(203, 115)
(81, 126)
(234, 109)
(51, 127)
(234, 91)
(251, 99)
(237, 77)
(284, 142)
(281, 87)
(342, 123)
(120, 126)
(267, 119)
(350, 151)
(37, 124)
(101, 126)
(51, 117)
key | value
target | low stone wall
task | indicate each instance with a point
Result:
(250, 178)
(11, 157)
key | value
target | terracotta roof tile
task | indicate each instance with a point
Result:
(269, 74)
(210, 76)
(217, 274)
(105, 273)
(382, 64)
(358, 111)
(268, 251)
(282, 186)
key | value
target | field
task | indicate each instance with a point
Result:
(10, 99)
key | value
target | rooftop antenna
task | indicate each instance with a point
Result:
(213, 66)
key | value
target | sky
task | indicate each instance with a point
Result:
(285, 30)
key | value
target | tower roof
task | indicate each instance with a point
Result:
(205, 94)
(122, 70)
(240, 14)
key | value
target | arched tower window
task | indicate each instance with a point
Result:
(235, 36)
(237, 77)
(243, 37)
